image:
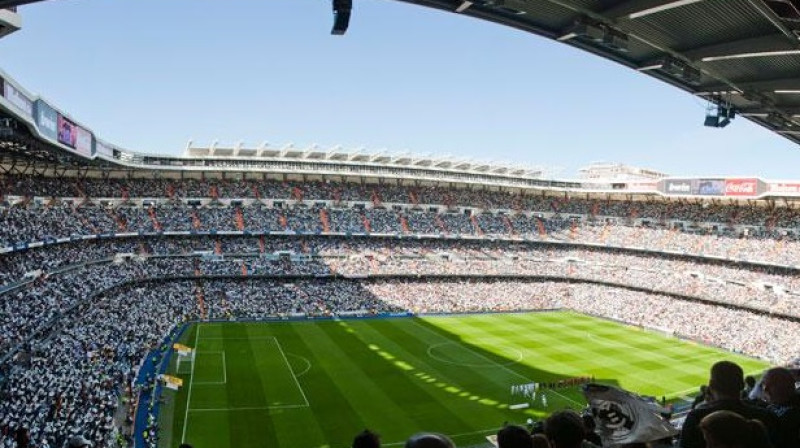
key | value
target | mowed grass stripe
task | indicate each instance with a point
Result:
(533, 367)
(347, 391)
(302, 341)
(245, 388)
(400, 376)
(469, 395)
(392, 375)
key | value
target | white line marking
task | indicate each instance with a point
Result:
(289, 366)
(304, 359)
(254, 408)
(224, 369)
(259, 338)
(452, 436)
(517, 374)
(431, 355)
(191, 380)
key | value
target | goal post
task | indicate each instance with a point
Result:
(185, 355)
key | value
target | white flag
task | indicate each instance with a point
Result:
(624, 417)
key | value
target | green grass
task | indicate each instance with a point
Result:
(317, 384)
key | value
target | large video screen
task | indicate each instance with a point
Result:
(67, 132)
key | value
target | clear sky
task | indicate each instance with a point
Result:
(150, 75)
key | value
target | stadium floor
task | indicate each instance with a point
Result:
(315, 384)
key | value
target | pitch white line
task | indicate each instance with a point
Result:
(452, 436)
(289, 366)
(223, 338)
(254, 408)
(304, 359)
(517, 374)
(224, 369)
(191, 380)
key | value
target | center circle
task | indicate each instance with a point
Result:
(456, 354)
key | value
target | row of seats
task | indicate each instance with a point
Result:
(759, 213)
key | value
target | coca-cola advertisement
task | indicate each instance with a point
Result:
(741, 187)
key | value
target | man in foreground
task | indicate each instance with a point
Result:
(724, 393)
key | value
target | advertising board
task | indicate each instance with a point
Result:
(709, 187)
(18, 99)
(46, 119)
(741, 187)
(677, 187)
(83, 141)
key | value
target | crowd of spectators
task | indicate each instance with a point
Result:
(78, 347)
(764, 288)
(70, 380)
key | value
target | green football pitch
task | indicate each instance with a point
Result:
(317, 384)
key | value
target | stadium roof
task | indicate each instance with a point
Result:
(741, 54)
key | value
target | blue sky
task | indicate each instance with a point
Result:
(149, 75)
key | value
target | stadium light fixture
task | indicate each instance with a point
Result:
(719, 117)
(463, 6)
(788, 92)
(341, 16)
(651, 67)
(758, 54)
(659, 8)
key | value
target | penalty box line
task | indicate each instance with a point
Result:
(305, 403)
(224, 368)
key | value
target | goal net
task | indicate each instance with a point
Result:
(185, 360)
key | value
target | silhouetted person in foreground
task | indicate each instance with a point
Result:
(727, 429)
(784, 402)
(564, 429)
(514, 436)
(367, 439)
(724, 393)
(429, 440)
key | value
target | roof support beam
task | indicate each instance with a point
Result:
(635, 9)
(757, 85)
(11, 3)
(752, 47)
(787, 110)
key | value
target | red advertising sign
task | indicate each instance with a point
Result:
(741, 187)
(787, 188)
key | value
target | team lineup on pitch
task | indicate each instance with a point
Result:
(316, 383)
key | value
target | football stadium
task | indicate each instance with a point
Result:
(259, 296)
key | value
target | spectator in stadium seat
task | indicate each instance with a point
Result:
(78, 442)
(514, 436)
(727, 429)
(589, 426)
(784, 402)
(539, 441)
(701, 397)
(367, 439)
(429, 440)
(564, 429)
(724, 393)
